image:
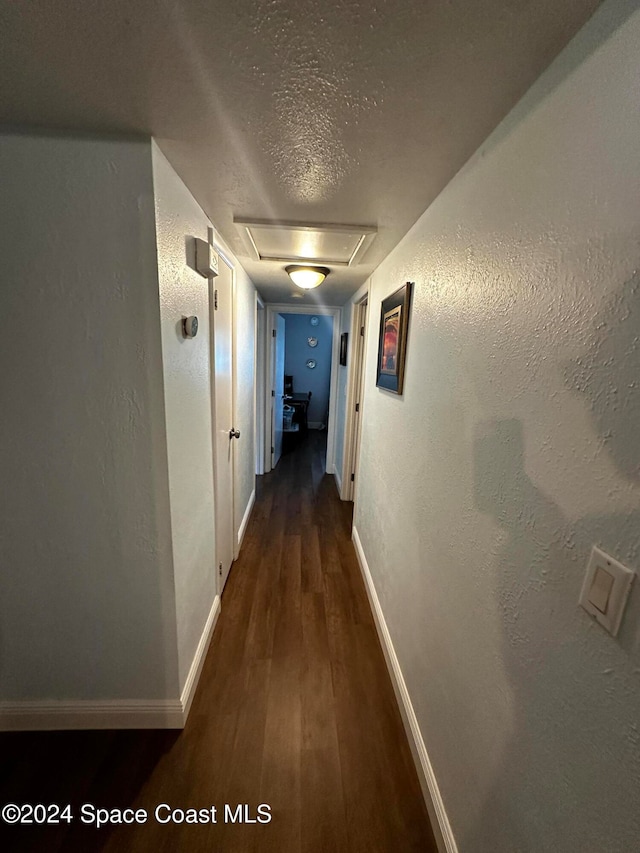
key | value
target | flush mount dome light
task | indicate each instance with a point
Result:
(306, 276)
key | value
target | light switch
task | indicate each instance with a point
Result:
(601, 589)
(605, 589)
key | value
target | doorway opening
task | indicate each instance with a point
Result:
(301, 379)
(354, 405)
(260, 364)
(221, 301)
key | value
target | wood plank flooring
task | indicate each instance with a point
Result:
(294, 709)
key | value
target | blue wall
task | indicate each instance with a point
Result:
(296, 353)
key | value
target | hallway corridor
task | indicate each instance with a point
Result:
(294, 709)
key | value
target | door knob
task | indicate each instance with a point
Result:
(234, 433)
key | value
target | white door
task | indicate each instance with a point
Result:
(359, 380)
(277, 386)
(260, 361)
(225, 433)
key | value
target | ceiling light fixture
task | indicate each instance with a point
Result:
(307, 277)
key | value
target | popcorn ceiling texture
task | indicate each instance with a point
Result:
(515, 447)
(290, 109)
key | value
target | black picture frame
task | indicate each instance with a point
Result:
(392, 340)
(344, 342)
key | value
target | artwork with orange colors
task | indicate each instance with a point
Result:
(389, 359)
(394, 321)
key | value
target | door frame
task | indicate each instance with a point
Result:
(224, 258)
(277, 308)
(277, 344)
(360, 305)
(260, 385)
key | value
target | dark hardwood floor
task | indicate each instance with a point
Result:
(294, 710)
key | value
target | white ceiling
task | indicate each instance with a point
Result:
(351, 112)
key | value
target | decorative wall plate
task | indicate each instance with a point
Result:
(313, 342)
(314, 321)
(311, 363)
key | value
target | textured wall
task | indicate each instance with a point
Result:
(86, 592)
(297, 352)
(520, 448)
(187, 388)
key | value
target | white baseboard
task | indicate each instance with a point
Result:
(433, 799)
(245, 519)
(54, 715)
(338, 481)
(191, 684)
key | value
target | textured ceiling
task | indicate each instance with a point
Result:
(351, 112)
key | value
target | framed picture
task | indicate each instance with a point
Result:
(392, 343)
(344, 340)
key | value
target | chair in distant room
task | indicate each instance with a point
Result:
(300, 403)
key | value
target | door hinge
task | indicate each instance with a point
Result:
(220, 569)
(273, 393)
(273, 450)
(215, 300)
(357, 407)
(353, 476)
(273, 333)
(362, 331)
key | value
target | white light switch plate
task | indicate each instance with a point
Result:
(605, 589)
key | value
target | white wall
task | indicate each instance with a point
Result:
(108, 551)
(520, 427)
(187, 383)
(86, 592)
(245, 334)
(187, 389)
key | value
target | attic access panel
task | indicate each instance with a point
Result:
(337, 245)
